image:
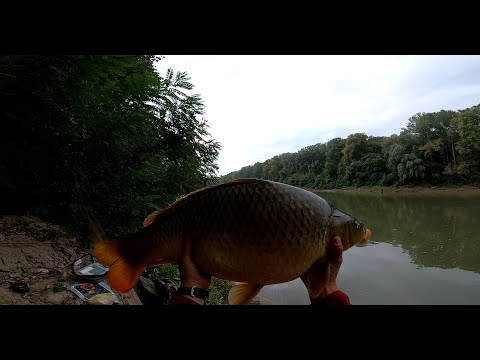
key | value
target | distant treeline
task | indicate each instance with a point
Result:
(99, 138)
(440, 148)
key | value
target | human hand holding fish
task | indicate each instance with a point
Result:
(331, 294)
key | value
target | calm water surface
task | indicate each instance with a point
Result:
(425, 249)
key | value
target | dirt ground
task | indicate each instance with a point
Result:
(40, 254)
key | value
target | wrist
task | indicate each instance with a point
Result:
(197, 282)
(195, 291)
(178, 299)
(195, 299)
(330, 289)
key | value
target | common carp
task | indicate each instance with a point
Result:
(254, 232)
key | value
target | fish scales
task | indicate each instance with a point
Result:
(251, 231)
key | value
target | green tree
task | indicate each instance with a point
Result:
(431, 150)
(356, 146)
(333, 156)
(103, 137)
(467, 125)
(410, 167)
(271, 170)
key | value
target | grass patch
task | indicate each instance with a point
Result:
(58, 287)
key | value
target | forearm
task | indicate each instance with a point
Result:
(185, 300)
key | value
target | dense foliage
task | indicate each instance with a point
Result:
(102, 139)
(441, 148)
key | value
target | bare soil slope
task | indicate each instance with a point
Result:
(40, 254)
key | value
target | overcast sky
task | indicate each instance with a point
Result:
(262, 106)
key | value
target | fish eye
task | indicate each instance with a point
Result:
(359, 226)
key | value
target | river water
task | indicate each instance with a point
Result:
(425, 250)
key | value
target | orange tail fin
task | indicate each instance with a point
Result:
(122, 275)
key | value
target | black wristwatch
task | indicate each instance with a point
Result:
(194, 291)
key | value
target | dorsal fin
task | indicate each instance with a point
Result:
(151, 218)
(209, 188)
(242, 181)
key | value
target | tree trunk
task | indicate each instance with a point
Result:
(453, 154)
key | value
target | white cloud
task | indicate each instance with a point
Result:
(262, 106)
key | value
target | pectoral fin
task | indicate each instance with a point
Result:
(243, 293)
(316, 278)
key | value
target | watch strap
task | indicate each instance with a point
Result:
(194, 291)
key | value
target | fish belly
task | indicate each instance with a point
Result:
(259, 265)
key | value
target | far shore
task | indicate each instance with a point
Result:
(415, 189)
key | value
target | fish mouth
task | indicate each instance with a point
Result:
(366, 237)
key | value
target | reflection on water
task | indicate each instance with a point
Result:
(425, 249)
